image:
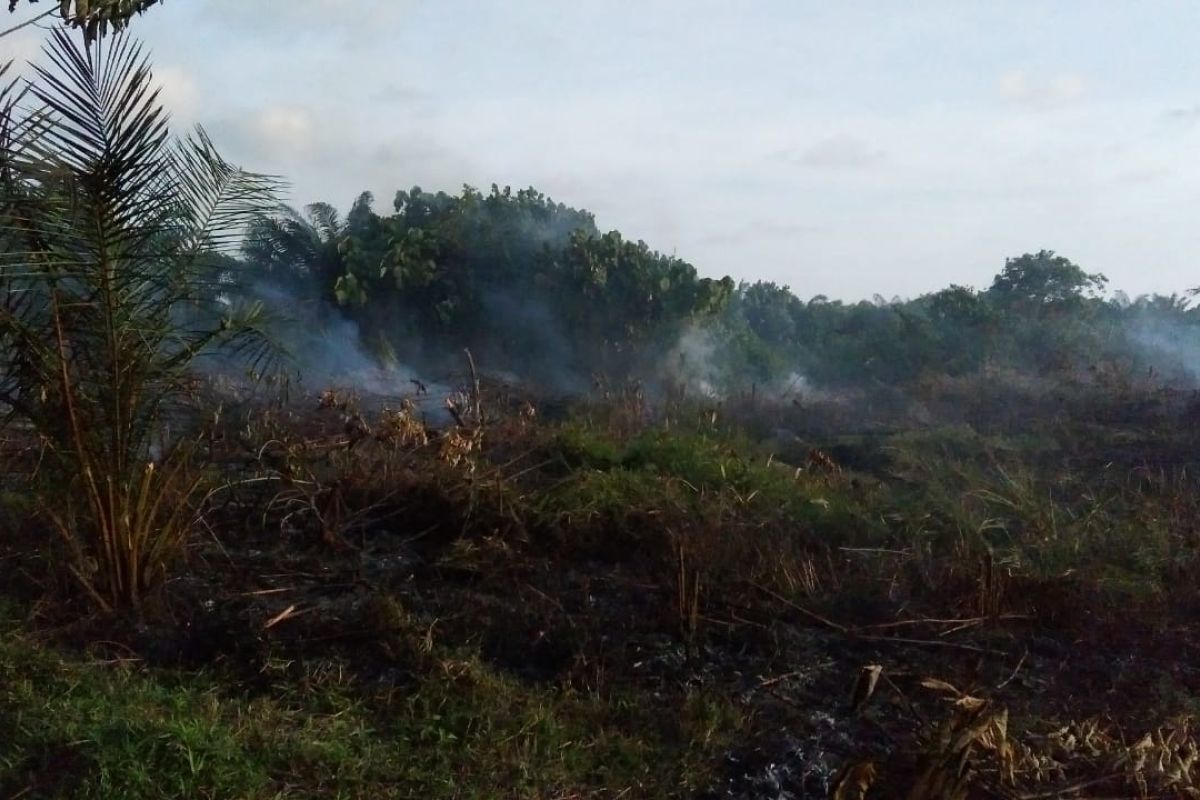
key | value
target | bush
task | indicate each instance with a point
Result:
(111, 290)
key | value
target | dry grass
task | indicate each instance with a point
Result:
(670, 559)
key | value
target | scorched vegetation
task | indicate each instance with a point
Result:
(535, 511)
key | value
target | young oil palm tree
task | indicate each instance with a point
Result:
(108, 295)
(301, 253)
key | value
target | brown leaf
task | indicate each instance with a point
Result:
(970, 704)
(864, 686)
(854, 781)
(940, 686)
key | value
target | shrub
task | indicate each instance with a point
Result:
(109, 291)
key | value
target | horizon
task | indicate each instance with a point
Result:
(846, 152)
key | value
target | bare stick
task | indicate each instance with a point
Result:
(810, 614)
(970, 648)
(934, 621)
(1009, 679)
(475, 387)
(287, 613)
(90, 589)
(27, 22)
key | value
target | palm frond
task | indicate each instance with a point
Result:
(107, 144)
(216, 200)
(324, 218)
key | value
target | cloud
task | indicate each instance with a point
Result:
(284, 127)
(348, 17)
(840, 151)
(276, 139)
(1144, 175)
(763, 229)
(1041, 92)
(783, 230)
(399, 94)
(1187, 115)
(178, 92)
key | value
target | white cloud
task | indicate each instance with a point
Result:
(1042, 92)
(284, 128)
(1185, 115)
(839, 152)
(178, 92)
(371, 18)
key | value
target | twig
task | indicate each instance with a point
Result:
(216, 540)
(475, 388)
(133, 656)
(280, 617)
(963, 626)
(970, 648)
(1009, 679)
(723, 622)
(801, 609)
(545, 597)
(743, 621)
(934, 621)
(261, 592)
(779, 678)
(875, 550)
(912, 709)
(423, 533)
(90, 589)
(527, 470)
(28, 22)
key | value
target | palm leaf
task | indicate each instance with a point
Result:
(114, 223)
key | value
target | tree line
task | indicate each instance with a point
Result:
(536, 289)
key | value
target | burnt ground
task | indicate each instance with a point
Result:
(1041, 691)
(595, 625)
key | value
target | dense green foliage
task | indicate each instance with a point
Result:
(1042, 316)
(523, 281)
(535, 289)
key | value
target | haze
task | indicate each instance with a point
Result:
(845, 151)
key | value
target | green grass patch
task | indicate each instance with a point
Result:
(76, 729)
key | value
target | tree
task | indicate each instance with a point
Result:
(108, 296)
(770, 311)
(1041, 279)
(94, 17)
(300, 254)
(626, 303)
(964, 326)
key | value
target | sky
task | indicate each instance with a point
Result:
(849, 149)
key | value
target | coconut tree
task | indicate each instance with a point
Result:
(108, 296)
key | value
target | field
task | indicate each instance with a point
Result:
(618, 597)
(660, 534)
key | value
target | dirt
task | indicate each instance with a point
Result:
(245, 602)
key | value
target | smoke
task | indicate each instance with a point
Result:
(798, 387)
(529, 327)
(326, 351)
(700, 364)
(693, 363)
(1171, 347)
